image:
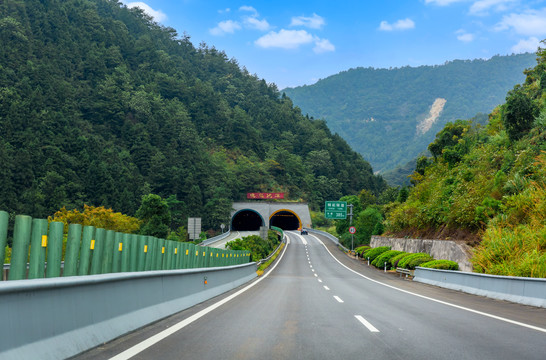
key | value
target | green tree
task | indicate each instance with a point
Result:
(155, 215)
(519, 113)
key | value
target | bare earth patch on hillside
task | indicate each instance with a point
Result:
(434, 114)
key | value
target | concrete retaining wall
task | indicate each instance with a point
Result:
(438, 249)
(59, 317)
(528, 291)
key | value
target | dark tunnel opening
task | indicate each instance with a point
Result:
(285, 220)
(246, 220)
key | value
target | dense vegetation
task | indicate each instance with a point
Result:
(99, 105)
(378, 110)
(490, 181)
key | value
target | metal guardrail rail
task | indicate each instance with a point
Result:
(216, 238)
(329, 236)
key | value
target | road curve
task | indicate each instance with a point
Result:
(319, 304)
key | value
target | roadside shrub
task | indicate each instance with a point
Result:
(375, 252)
(7, 256)
(360, 250)
(441, 264)
(410, 262)
(395, 260)
(379, 261)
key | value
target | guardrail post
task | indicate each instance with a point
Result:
(97, 251)
(118, 244)
(19, 253)
(55, 249)
(38, 244)
(108, 252)
(142, 250)
(72, 250)
(149, 253)
(4, 217)
(85, 251)
(124, 250)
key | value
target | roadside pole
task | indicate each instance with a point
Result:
(350, 206)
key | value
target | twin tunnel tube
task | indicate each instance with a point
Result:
(250, 220)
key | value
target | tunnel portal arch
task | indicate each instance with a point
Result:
(247, 220)
(285, 219)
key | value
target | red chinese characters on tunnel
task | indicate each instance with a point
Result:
(264, 196)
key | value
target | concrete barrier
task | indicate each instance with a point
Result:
(528, 291)
(60, 317)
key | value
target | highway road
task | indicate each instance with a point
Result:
(317, 303)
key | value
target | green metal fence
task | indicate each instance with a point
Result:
(37, 251)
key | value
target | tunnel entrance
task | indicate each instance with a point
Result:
(247, 220)
(285, 220)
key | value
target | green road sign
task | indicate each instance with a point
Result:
(335, 210)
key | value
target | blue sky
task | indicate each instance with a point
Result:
(293, 43)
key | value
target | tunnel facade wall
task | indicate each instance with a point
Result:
(266, 210)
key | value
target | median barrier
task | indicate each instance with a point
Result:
(522, 290)
(60, 317)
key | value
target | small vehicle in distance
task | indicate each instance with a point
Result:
(304, 231)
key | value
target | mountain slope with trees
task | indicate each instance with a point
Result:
(100, 105)
(385, 114)
(489, 181)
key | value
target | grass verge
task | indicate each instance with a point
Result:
(266, 264)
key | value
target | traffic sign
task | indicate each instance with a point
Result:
(335, 210)
(352, 230)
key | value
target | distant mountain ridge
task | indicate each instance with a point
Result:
(391, 115)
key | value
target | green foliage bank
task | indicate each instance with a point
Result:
(489, 181)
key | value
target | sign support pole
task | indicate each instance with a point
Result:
(350, 206)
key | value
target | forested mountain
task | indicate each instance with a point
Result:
(391, 115)
(489, 181)
(99, 105)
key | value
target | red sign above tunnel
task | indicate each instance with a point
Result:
(259, 196)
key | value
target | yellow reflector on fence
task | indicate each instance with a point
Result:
(145, 248)
(163, 250)
(120, 248)
(92, 247)
(44, 240)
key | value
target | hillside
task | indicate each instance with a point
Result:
(391, 115)
(99, 105)
(489, 181)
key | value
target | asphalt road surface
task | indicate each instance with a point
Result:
(316, 303)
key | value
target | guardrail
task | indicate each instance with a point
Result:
(215, 239)
(59, 318)
(91, 251)
(277, 249)
(528, 291)
(329, 236)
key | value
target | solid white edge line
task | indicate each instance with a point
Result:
(532, 327)
(338, 299)
(366, 323)
(138, 348)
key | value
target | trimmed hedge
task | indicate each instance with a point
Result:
(360, 250)
(375, 252)
(379, 261)
(395, 260)
(441, 264)
(413, 260)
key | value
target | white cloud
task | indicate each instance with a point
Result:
(285, 39)
(323, 45)
(293, 39)
(313, 22)
(443, 2)
(530, 23)
(254, 23)
(249, 9)
(465, 37)
(529, 45)
(225, 27)
(404, 24)
(157, 15)
(481, 7)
